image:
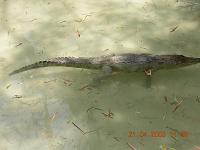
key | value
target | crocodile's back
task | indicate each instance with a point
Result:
(130, 62)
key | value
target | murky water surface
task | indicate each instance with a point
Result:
(55, 108)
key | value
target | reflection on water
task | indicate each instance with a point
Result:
(38, 107)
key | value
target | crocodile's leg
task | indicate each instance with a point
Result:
(148, 73)
(106, 72)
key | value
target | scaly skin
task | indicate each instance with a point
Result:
(127, 62)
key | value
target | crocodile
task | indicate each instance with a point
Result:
(127, 62)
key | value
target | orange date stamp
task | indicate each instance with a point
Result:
(159, 134)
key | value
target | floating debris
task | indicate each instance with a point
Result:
(54, 80)
(131, 146)
(78, 128)
(90, 131)
(109, 114)
(18, 44)
(9, 85)
(67, 82)
(85, 17)
(34, 19)
(29, 104)
(177, 106)
(78, 20)
(18, 96)
(116, 138)
(174, 28)
(198, 99)
(51, 118)
(83, 132)
(164, 116)
(166, 99)
(106, 50)
(86, 87)
(62, 21)
(78, 33)
(93, 108)
(82, 20)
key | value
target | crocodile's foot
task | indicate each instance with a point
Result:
(106, 72)
(148, 72)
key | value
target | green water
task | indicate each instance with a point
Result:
(38, 107)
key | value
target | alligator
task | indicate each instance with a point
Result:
(127, 62)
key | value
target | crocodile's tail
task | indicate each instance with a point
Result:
(79, 62)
